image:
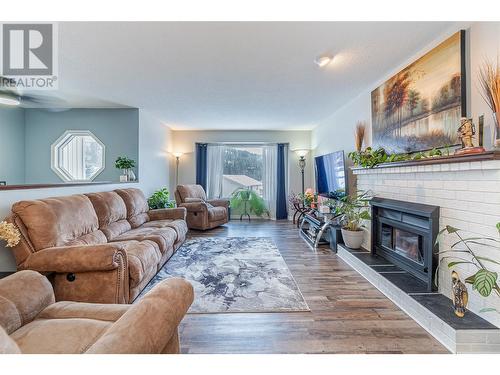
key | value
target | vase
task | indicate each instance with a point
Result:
(353, 239)
(131, 175)
(124, 175)
(496, 130)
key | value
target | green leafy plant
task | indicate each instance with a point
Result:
(353, 210)
(122, 162)
(160, 199)
(370, 158)
(254, 203)
(466, 251)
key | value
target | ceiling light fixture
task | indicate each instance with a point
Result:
(323, 60)
(9, 101)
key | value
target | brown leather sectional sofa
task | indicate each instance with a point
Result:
(98, 247)
(34, 323)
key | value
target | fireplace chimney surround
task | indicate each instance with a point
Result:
(404, 233)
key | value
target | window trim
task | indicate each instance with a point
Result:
(56, 155)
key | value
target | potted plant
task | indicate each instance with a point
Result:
(160, 199)
(248, 202)
(473, 254)
(126, 165)
(352, 211)
(9, 233)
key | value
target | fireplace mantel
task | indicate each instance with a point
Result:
(431, 164)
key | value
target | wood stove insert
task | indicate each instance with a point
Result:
(405, 233)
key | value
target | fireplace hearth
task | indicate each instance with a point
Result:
(404, 233)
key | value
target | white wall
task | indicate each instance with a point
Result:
(154, 141)
(184, 141)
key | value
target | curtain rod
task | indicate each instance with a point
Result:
(242, 143)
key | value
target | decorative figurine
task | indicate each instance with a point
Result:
(465, 133)
(460, 296)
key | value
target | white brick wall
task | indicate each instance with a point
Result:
(469, 196)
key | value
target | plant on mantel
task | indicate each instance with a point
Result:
(468, 251)
(370, 158)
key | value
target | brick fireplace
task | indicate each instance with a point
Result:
(468, 197)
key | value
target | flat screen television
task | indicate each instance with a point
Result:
(331, 174)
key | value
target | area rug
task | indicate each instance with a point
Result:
(234, 274)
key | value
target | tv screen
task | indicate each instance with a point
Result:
(330, 174)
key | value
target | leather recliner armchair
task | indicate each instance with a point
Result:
(202, 214)
(32, 322)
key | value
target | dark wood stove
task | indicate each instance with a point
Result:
(405, 233)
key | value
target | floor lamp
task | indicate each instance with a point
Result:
(302, 164)
(177, 158)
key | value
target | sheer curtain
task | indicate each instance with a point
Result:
(215, 169)
(269, 173)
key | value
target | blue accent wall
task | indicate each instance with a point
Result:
(12, 145)
(117, 128)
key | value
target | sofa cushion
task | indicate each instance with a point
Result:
(191, 191)
(60, 221)
(111, 213)
(217, 213)
(142, 258)
(179, 226)
(137, 206)
(69, 309)
(54, 336)
(164, 238)
(19, 305)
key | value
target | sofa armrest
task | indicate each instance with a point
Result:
(29, 293)
(195, 207)
(150, 323)
(219, 202)
(168, 213)
(85, 258)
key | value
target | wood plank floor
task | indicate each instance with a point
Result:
(348, 314)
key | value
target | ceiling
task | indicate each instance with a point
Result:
(232, 75)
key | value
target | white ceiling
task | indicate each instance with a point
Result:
(237, 75)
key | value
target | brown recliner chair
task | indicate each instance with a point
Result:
(202, 214)
(32, 322)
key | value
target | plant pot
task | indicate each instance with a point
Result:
(353, 239)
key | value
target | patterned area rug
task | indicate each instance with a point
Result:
(234, 274)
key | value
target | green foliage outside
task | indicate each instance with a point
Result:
(255, 205)
(160, 199)
(242, 162)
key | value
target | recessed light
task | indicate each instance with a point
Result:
(323, 60)
(9, 101)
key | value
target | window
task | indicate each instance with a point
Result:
(78, 155)
(242, 169)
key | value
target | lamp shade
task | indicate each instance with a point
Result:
(177, 154)
(301, 153)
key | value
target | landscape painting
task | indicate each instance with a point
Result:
(420, 107)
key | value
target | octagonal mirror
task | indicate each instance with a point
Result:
(78, 155)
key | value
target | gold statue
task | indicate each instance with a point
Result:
(460, 296)
(465, 133)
